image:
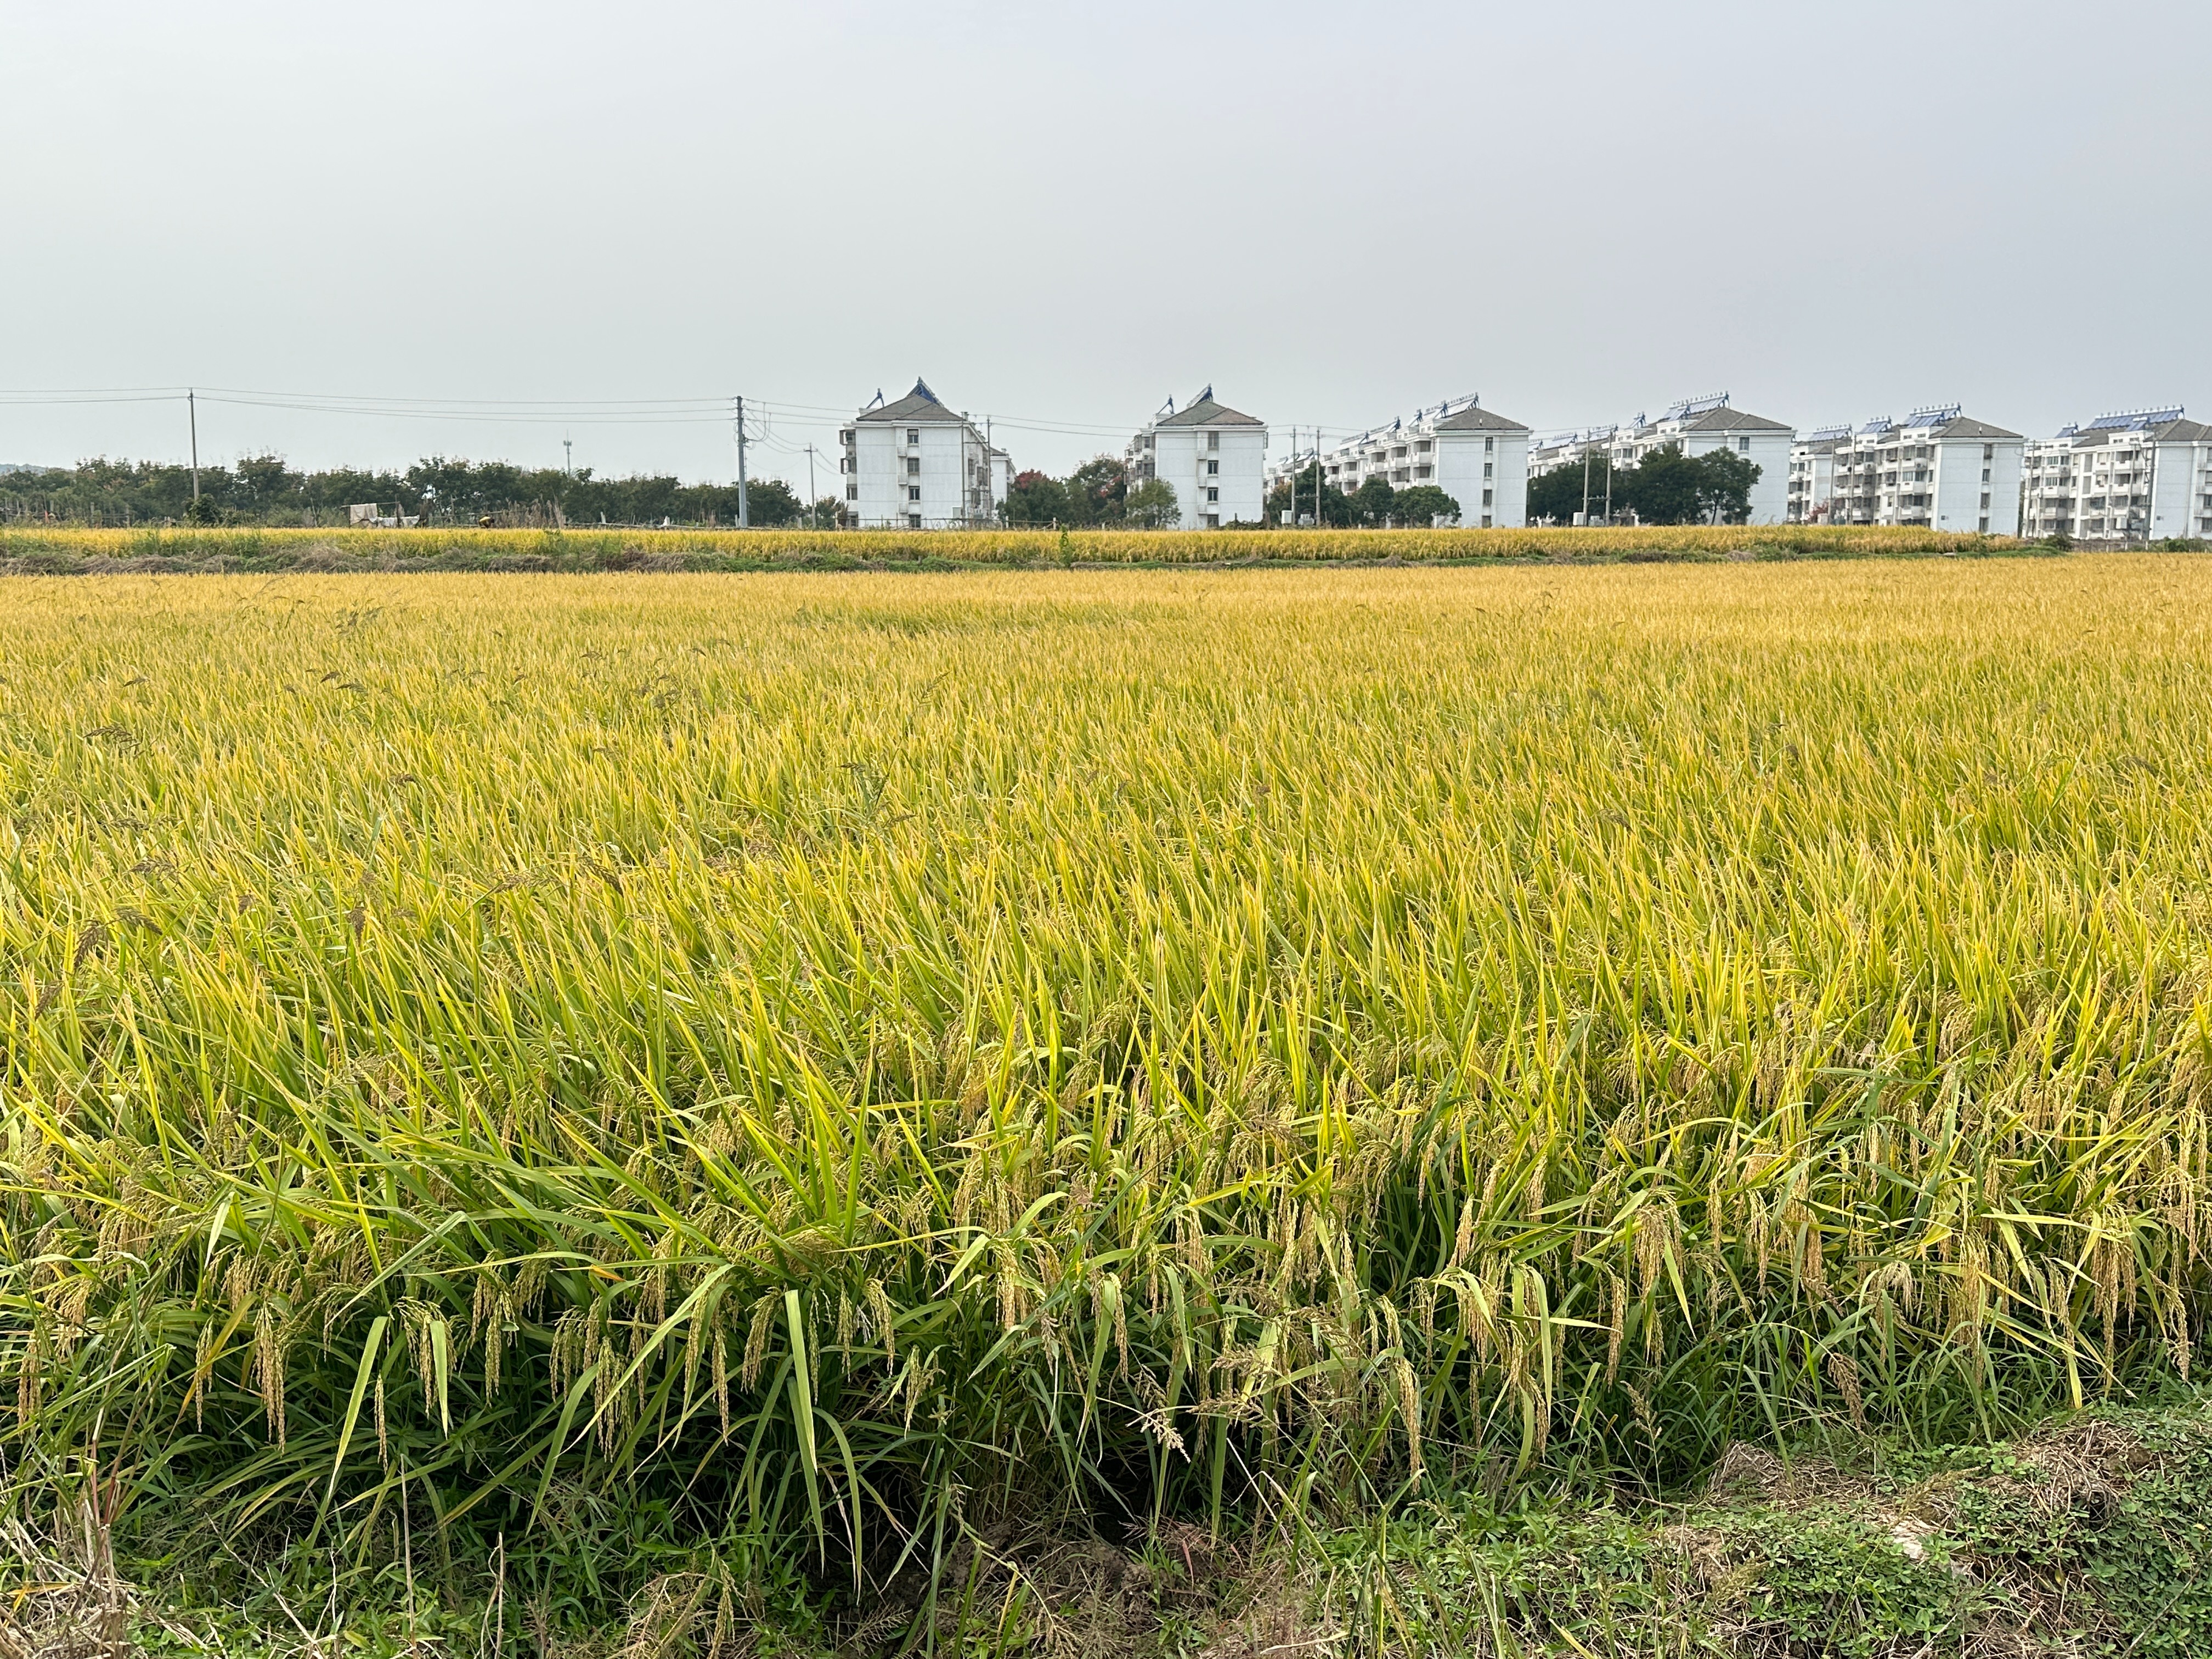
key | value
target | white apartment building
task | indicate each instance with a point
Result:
(1478, 457)
(2140, 475)
(1939, 470)
(1215, 458)
(1699, 426)
(1813, 474)
(917, 464)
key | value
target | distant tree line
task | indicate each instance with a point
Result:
(1667, 488)
(1376, 505)
(1097, 493)
(262, 489)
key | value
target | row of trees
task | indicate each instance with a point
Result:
(1097, 493)
(1374, 504)
(1667, 488)
(265, 489)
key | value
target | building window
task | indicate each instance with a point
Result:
(1486, 522)
(914, 521)
(914, 492)
(1488, 445)
(1212, 467)
(852, 491)
(914, 434)
(1214, 440)
(1985, 519)
(1985, 502)
(1213, 521)
(1489, 468)
(914, 466)
(1212, 495)
(1743, 446)
(1486, 495)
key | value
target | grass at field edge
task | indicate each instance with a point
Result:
(2081, 1537)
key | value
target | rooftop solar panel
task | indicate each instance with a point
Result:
(1934, 414)
(2133, 420)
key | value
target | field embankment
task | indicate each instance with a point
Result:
(623, 1077)
(62, 551)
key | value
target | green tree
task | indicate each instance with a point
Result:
(1420, 505)
(1152, 506)
(1338, 510)
(1034, 499)
(1724, 481)
(1665, 487)
(1096, 491)
(770, 503)
(1374, 502)
(1307, 488)
(1558, 495)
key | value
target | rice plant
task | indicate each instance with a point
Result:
(69, 549)
(838, 1062)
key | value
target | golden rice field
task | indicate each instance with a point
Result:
(831, 1060)
(67, 551)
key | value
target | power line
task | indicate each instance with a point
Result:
(588, 412)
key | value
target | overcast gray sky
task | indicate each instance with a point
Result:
(1062, 215)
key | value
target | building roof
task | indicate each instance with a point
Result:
(1725, 419)
(918, 405)
(2134, 420)
(1206, 411)
(2172, 430)
(1967, 426)
(1474, 418)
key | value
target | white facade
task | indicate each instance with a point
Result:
(2141, 476)
(1813, 474)
(917, 464)
(1479, 459)
(1214, 458)
(1939, 470)
(1698, 426)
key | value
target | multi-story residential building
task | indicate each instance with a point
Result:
(917, 464)
(1939, 470)
(1478, 457)
(1697, 426)
(1813, 474)
(2140, 475)
(1214, 458)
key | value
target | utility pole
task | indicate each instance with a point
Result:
(811, 517)
(1608, 482)
(193, 414)
(1586, 461)
(569, 445)
(745, 508)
